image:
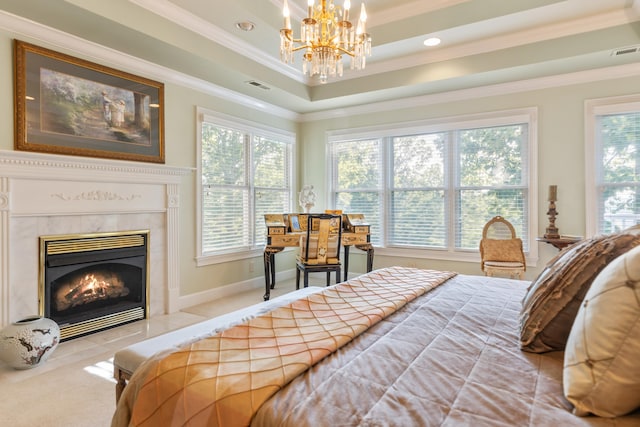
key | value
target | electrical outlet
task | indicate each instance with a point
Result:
(251, 266)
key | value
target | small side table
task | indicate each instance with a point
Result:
(561, 242)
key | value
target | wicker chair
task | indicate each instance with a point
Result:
(500, 250)
(320, 248)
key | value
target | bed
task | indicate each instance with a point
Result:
(450, 355)
(128, 359)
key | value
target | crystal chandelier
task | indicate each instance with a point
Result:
(326, 34)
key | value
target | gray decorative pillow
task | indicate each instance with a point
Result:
(553, 298)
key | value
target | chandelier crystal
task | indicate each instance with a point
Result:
(326, 34)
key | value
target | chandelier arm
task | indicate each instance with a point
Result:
(304, 46)
(343, 50)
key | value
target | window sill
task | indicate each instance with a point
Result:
(442, 255)
(205, 260)
(432, 254)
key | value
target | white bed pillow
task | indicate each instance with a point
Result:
(602, 358)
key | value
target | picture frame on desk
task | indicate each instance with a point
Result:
(294, 223)
(67, 105)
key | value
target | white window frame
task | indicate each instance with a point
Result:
(497, 118)
(205, 115)
(592, 109)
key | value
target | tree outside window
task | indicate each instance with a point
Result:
(618, 177)
(246, 172)
(435, 190)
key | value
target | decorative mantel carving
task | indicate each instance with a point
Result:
(4, 201)
(97, 195)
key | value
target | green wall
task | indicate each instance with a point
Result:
(560, 159)
(180, 150)
(561, 153)
(180, 127)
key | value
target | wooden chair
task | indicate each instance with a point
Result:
(500, 250)
(320, 247)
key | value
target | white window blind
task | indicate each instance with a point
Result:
(417, 193)
(357, 180)
(435, 189)
(618, 170)
(225, 201)
(246, 172)
(272, 180)
(491, 179)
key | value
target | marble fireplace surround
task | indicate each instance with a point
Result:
(43, 194)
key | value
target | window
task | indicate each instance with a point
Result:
(613, 169)
(432, 186)
(246, 171)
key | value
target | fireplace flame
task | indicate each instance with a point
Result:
(90, 288)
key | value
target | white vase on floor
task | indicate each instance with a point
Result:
(29, 342)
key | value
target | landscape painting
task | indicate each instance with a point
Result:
(66, 105)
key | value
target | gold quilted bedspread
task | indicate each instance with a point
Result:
(223, 380)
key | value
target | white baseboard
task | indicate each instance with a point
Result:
(230, 290)
(235, 288)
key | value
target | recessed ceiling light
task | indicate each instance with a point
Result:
(432, 41)
(245, 25)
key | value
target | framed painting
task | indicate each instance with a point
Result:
(66, 105)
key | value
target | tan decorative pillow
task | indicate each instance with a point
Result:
(554, 297)
(601, 372)
(509, 250)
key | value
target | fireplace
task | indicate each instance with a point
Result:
(93, 282)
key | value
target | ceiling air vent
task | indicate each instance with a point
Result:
(626, 50)
(258, 84)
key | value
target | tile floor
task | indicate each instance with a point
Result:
(75, 387)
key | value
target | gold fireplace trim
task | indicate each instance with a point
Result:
(72, 243)
(99, 323)
(83, 244)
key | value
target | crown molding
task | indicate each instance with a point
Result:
(297, 12)
(180, 16)
(415, 8)
(77, 46)
(492, 44)
(567, 79)
(22, 27)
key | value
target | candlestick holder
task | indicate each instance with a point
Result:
(552, 230)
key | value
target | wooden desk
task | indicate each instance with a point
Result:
(284, 231)
(560, 242)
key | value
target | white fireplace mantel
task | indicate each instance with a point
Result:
(43, 194)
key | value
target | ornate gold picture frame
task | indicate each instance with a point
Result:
(66, 105)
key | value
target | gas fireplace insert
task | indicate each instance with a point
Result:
(91, 282)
